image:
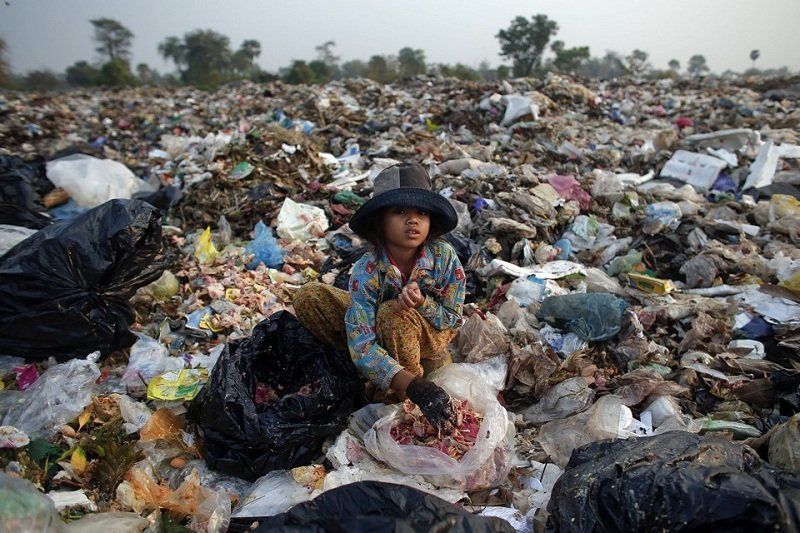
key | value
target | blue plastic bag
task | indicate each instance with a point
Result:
(264, 248)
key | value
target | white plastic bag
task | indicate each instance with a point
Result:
(485, 465)
(91, 181)
(301, 221)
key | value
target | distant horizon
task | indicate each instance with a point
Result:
(722, 31)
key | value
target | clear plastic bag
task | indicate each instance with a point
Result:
(608, 418)
(479, 338)
(148, 359)
(57, 397)
(484, 466)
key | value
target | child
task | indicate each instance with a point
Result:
(406, 295)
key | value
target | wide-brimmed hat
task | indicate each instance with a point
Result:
(406, 185)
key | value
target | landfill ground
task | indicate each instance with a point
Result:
(630, 343)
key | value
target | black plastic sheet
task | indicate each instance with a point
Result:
(380, 507)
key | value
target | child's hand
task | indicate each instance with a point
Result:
(411, 297)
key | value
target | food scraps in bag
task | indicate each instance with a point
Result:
(266, 394)
(415, 430)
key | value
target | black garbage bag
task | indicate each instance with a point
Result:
(19, 182)
(677, 481)
(379, 507)
(64, 291)
(164, 198)
(248, 439)
(15, 215)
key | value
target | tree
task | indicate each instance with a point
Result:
(411, 62)
(460, 71)
(5, 72)
(524, 42)
(173, 49)
(637, 63)
(146, 75)
(326, 55)
(42, 80)
(244, 58)
(112, 38)
(503, 72)
(323, 72)
(299, 72)
(697, 65)
(203, 57)
(116, 73)
(354, 69)
(380, 69)
(754, 54)
(674, 65)
(82, 74)
(569, 59)
(608, 67)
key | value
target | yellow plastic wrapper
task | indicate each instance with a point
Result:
(649, 284)
(205, 251)
(177, 385)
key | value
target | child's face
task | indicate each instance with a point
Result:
(406, 227)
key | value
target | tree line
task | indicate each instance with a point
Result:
(206, 59)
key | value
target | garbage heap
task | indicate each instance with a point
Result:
(633, 290)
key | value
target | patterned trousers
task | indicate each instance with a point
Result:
(406, 335)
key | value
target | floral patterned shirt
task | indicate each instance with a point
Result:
(375, 280)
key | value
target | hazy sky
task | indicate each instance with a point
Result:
(55, 33)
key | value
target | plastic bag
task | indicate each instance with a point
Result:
(485, 465)
(560, 401)
(248, 440)
(204, 251)
(91, 181)
(10, 236)
(264, 248)
(677, 481)
(376, 506)
(272, 494)
(480, 338)
(164, 287)
(301, 221)
(592, 317)
(57, 397)
(148, 359)
(64, 291)
(24, 508)
(608, 418)
(135, 414)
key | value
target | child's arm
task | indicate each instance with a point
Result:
(371, 359)
(444, 312)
